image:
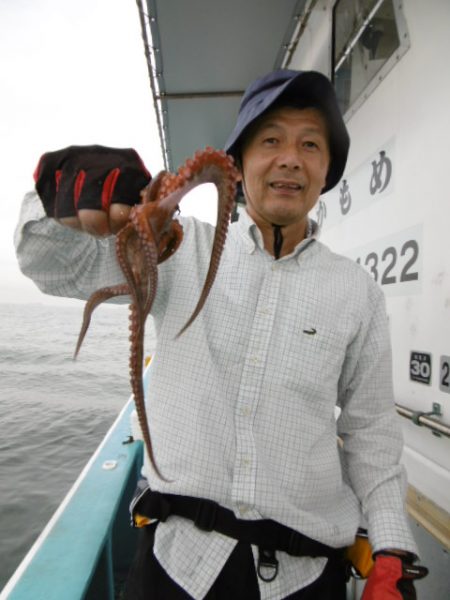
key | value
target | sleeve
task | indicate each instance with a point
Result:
(370, 430)
(63, 261)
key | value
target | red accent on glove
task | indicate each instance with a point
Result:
(108, 188)
(383, 579)
(37, 170)
(78, 187)
(58, 175)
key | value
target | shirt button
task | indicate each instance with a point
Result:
(245, 411)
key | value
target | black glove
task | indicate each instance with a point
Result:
(89, 177)
(392, 577)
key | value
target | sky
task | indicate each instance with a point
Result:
(71, 72)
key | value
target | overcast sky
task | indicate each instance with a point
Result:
(71, 72)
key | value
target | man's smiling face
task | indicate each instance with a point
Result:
(285, 160)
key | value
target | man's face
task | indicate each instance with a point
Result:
(285, 161)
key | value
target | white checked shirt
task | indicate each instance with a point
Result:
(242, 405)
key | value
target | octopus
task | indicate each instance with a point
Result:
(150, 237)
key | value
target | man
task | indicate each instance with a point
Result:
(260, 498)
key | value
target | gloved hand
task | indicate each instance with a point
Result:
(392, 578)
(77, 180)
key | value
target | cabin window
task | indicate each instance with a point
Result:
(369, 37)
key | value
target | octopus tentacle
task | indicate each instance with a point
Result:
(226, 194)
(150, 237)
(136, 376)
(138, 314)
(97, 298)
(209, 166)
(150, 255)
(127, 247)
(151, 192)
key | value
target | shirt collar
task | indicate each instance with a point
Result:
(253, 238)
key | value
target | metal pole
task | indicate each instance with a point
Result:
(424, 419)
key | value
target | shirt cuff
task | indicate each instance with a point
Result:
(389, 529)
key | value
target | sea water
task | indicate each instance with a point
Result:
(54, 411)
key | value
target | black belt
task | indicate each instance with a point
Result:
(208, 516)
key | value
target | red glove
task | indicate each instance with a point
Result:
(92, 177)
(392, 578)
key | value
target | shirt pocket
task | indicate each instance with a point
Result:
(314, 353)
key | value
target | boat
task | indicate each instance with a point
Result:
(390, 213)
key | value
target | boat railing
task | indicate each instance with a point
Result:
(426, 419)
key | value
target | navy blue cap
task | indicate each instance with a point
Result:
(308, 88)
